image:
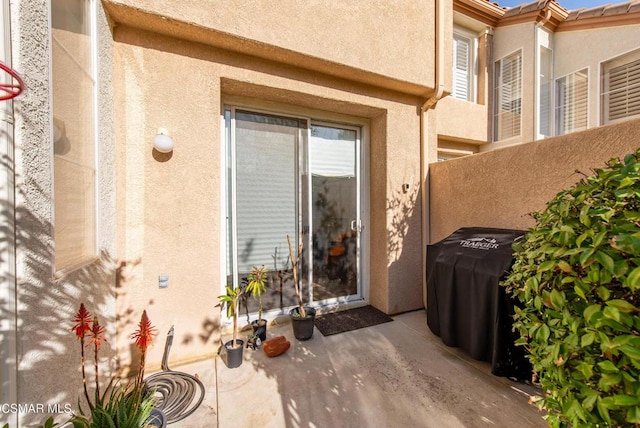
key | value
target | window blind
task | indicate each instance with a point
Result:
(461, 67)
(508, 96)
(620, 97)
(572, 102)
(624, 91)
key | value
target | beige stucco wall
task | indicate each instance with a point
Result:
(604, 44)
(385, 43)
(48, 361)
(500, 188)
(169, 219)
(159, 214)
(462, 120)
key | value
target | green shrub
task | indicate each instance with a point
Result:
(576, 275)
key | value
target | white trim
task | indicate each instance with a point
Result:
(494, 98)
(472, 72)
(97, 236)
(555, 105)
(8, 319)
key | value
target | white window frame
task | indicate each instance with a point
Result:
(539, 95)
(617, 61)
(559, 109)
(312, 116)
(496, 100)
(60, 273)
(472, 67)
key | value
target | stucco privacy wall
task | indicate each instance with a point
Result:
(500, 188)
(47, 353)
(170, 220)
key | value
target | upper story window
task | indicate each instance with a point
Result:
(74, 132)
(507, 100)
(621, 87)
(572, 96)
(463, 65)
(545, 92)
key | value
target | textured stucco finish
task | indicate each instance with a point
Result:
(462, 120)
(48, 355)
(502, 187)
(170, 219)
(370, 64)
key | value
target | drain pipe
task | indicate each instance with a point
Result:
(424, 141)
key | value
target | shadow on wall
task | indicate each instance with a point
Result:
(48, 353)
(404, 242)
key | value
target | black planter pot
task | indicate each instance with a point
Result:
(234, 355)
(302, 327)
(260, 330)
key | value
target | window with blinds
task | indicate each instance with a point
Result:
(572, 96)
(462, 67)
(507, 105)
(621, 88)
(74, 132)
(545, 89)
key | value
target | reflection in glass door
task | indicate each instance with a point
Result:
(333, 166)
(289, 176)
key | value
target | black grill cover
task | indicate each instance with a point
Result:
(466, 306)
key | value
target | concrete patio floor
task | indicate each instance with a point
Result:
(390, 375)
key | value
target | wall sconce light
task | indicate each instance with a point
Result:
(162, 142)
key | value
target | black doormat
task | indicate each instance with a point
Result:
(351, 319)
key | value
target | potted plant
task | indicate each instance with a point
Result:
(234, 346)
(302, 317)
(256, 286)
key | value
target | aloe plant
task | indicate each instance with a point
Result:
(258, 285)
(230, 301)
(121, 405)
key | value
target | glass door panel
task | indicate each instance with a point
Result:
(335, 222)
(284, 177)
(264, 208)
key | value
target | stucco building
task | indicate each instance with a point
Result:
(537, 70)
(291, 119)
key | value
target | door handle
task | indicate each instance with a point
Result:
(356, 225)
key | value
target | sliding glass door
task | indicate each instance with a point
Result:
(288, 176)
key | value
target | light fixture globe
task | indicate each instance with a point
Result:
(162, 142)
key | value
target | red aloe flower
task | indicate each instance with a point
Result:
(83, 321)
(97, 334)
(143, 338)
(144, 335)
